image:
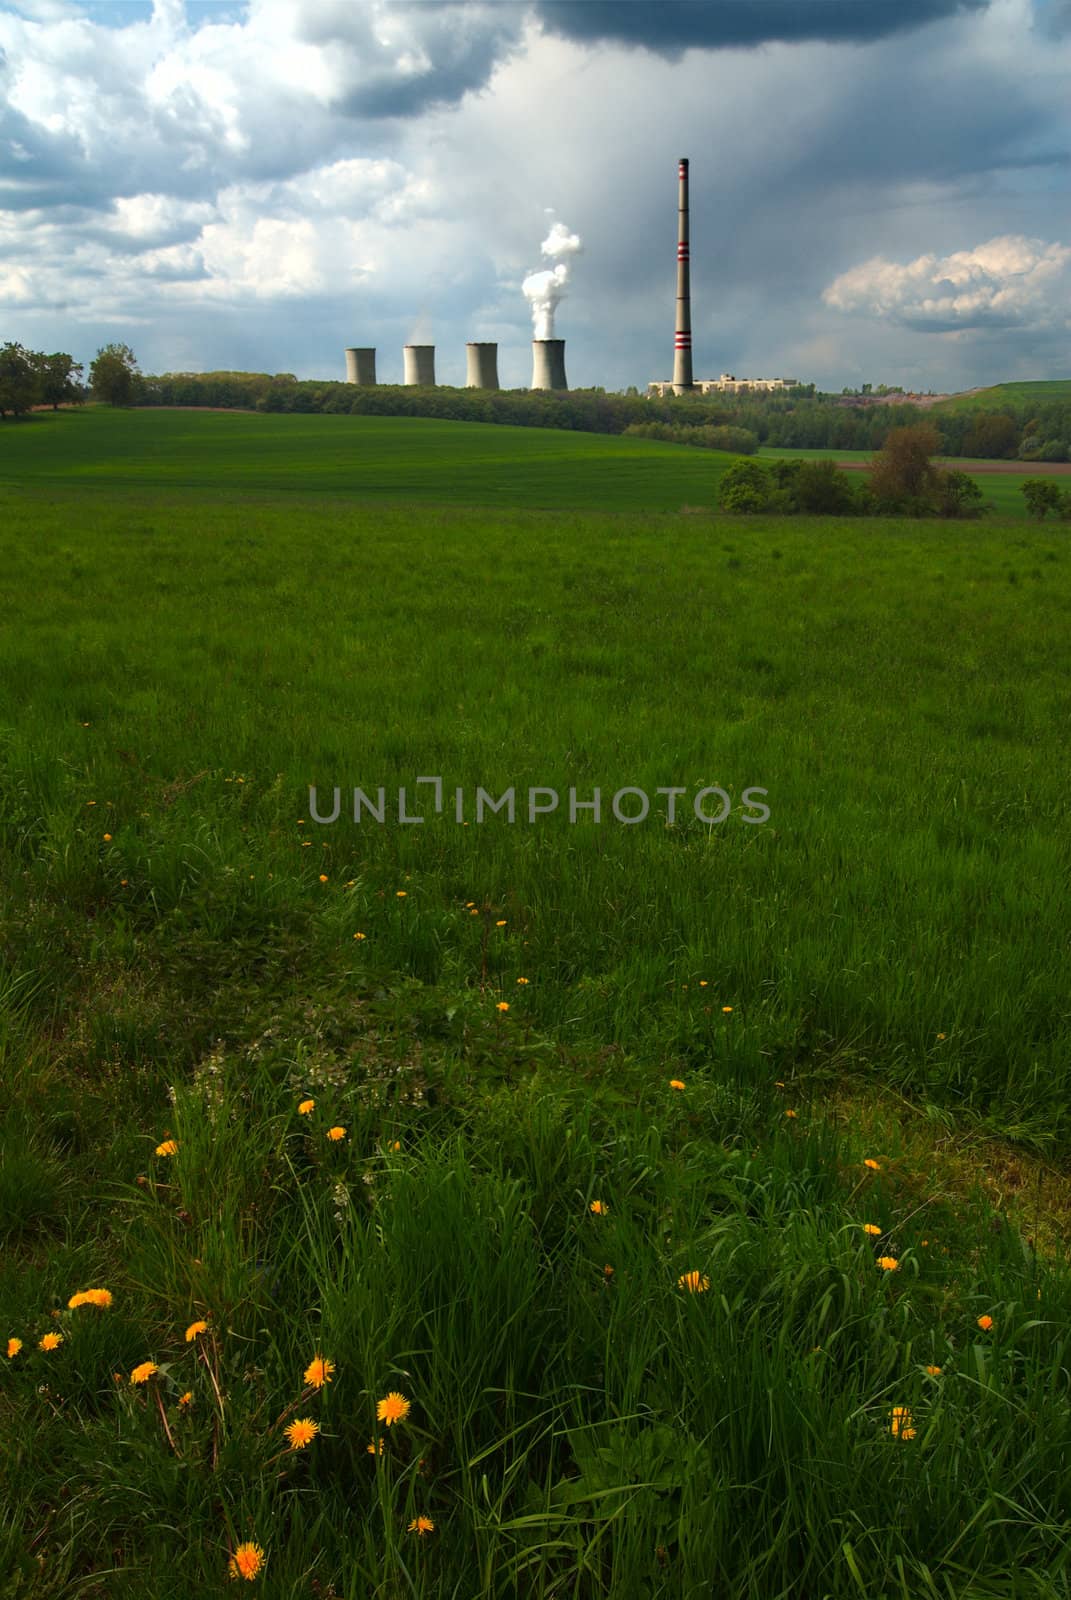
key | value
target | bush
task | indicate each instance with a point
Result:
(1042, 495)
(746, 487)
(821, 488)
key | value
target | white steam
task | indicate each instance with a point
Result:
(543, 290)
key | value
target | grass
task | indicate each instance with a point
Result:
(885, 958)
(1047, 390)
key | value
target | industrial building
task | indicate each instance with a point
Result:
(481, 365)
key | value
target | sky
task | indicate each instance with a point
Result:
(879, 188)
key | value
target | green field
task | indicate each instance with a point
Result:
(1047, 391)
(572, 1063)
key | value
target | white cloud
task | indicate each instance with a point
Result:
(1009, 281)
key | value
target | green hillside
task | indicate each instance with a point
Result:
(1050, 391)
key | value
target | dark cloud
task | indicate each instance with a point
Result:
(669, 27)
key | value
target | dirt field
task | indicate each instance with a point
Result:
(1035, 469)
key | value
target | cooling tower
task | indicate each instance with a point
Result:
(482, 364)
(682, 342)
(420, 365)
(548, 364)
(361, 366)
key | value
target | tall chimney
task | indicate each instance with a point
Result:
(361, 365)
(548, 364)
(420, 364)
(482, 366)
(682, 341)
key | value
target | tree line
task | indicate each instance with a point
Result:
(30, 378)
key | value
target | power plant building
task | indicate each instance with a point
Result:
(548, 364)
(361, 365)
(481, 366)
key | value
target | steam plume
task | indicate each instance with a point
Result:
(543, 290)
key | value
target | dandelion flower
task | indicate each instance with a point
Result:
(791, 1113)
(608, 1271)
(872, 1164)
(503, 1005)
(934, 1372)
(335, 1134)
(247, 1561)
(194, 1329)
(360, 936)
(13, 1347)
(694, 1282)
(942, 1035)
(143, 1373)
(302, 1432)
(924, 1243)
(395, 1408)
(985, 1323)
(778, 1084)
(372, 1451)
(726, 1010)
(401, 894)
(702, 983)
(676, 1083)
(888, 1264)
(872, 1228)
(49, 1341)
(599, 1208)
(421, 1526)
(323, 877)
(184, 1399)
(397, 1145)
(900, 1423)
(318, 1372)
(90, 1297)
(305, 1107)
(168, 1147)
(522, 980)
(107, 838)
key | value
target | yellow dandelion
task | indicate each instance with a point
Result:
(247, 1561)
(318, 1372)
(900, 1423)
(522, 980)
(872, 1164)
(49, 1341)
(791, 1113)
(360, 936)
(395, 1408)
(143, 1373)
(873, 1229)
(184, 1399)
(305, 1107)
(676, 1083)
(985, 1323)
(503, 1005)
(942, 1035)
(501, 923)
(421, 1526)
(694, 1282)
(888, 1264)
(194, 1329)
(778, 1084)
(397, 1145)
(401, 894)
(168, 1147)
(702, 983)
(90, 1297)
(372, 1451)
(934, 1372)
(608, 1271)
(924, 1243)
(599, 1208)
(726, 1010)
(13, 1347)
(323, 877)
(107, 838)
(335, 1134)
(302, 1432)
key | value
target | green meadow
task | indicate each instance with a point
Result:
(620, 1209)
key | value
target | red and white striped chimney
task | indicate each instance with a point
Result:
(682, 341)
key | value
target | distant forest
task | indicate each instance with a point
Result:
(796, 419)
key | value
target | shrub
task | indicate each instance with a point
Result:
(746, 487)
(1042, 495)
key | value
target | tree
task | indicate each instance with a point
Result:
(18, 380)
(821, 488)
(114, 375)
(902, 476)
(59, 378)
(992, 436)
(1041, 495)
